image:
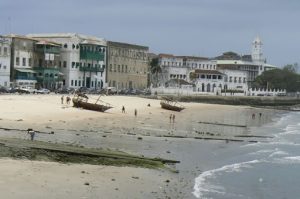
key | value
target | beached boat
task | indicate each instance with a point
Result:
(81, 101)
(169, 104)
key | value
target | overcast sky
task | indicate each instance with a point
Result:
(180, 27)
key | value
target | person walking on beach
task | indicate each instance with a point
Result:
(135, 112)
(62, 99)
(253, 116)
(260, 114)
(123, 109)
(173, 118)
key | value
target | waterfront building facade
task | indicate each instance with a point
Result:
(82, 59)
(5, 44)
(21, 61)
(128, 66)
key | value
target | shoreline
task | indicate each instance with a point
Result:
(150, 134)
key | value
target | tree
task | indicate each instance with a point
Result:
(155, 68)
(291, 67)
(284, 78)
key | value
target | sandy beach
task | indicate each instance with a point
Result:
(120, 131)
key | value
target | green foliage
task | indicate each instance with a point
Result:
(154, 66)
(285, 78)
(291, 67)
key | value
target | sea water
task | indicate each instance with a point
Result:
(268, 169)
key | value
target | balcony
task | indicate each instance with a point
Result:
(48, 50)
(91, 69)
(91, 55)
(23, 77)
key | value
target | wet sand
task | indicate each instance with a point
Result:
(117, 130)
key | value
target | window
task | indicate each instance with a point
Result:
(0, 66)
(118, 68)
(73, 64)
(79, 82)
(24, 62)
(75, 82)
(230, 79)
(73, 46)
(29, 62)
(4, 67)
(65, 64)
(59, 64)
(110, 68)
(5, 51)
(244, 81)
(0, 50)
(77, 64)
(17, 61)
(71, 82)
(65, 45)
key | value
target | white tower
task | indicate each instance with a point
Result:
(257, 55)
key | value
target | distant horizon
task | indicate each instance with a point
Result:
(205, 28)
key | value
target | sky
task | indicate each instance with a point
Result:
(205, 28)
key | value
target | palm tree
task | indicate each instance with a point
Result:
(155, 68)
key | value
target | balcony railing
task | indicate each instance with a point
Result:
(48, 50)
(91, 55)
(91, 69)
(19, 77)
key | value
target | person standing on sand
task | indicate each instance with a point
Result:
(123, 109)
(260, 114)
(68, 100)
(31, 133)
(135, 112)
(62, 99)
(253, 116)
(173, 118)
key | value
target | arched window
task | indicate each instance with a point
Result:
(208, 88)
(65, 45)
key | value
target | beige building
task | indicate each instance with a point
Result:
(127, 65)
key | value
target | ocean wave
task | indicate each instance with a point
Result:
(201, 186)
(288, 160)
(278, 153)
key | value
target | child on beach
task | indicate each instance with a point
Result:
(62, 99)
(123, 109)
(135, 112)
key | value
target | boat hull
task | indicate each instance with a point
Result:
(89, 106)
(171, 107)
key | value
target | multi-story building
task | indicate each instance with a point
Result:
(82, 59)
(254, 64)
(21, 62)
(128, 66)
(179, 67)
(5, 44)
(46, 64)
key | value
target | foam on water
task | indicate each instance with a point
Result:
(283, 150)
(201, 186)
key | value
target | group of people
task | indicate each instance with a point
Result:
(253, 115)
(123, 111)
(68, 100)
(172, 118)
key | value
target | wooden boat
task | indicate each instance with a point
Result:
(81, 101)
(169, 104)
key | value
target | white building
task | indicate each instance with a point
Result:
(253, 66)
(82, 59)
(234, 80)
(5, 61)
(179, 67)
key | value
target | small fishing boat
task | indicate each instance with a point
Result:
(81, 101)
(169, 104)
